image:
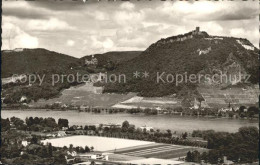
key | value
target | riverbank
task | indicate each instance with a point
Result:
(162, 122)
(187, 112)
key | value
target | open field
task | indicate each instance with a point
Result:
(99, 143)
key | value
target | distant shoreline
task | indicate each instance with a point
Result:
(82, 111)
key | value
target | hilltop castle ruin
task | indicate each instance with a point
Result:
(93, 61)
(180, 38)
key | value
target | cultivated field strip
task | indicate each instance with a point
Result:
(169, 154)
(154, 151)
(137, 148)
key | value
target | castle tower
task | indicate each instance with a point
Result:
(197, 29)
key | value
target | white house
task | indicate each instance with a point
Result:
(100, 156)
(24, 143)
(146, 128)
(73, 153)
(64, 128)
(50, 135)
(23, 98)
(61, 134)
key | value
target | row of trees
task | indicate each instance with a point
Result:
(34, 124)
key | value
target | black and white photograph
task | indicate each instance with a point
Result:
(129, 82)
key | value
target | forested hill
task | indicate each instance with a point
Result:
(22, 61)
(47, 63)
(110, 60)
(193, 52)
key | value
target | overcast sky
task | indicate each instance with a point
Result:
(78, 29)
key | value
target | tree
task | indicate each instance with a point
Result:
(63, 123)
(239, 147)
(34, 140)
(92, 163)
(241, 109)
(213, 156)
(25, 156)
(81, 150)
(193, 157)
(50, 149)
(196, 156)
(184, 136)
(125, 126)
(77, 149)
(29, 121)
(189, 157)
(71, 147)
(50, 122)
(60, 159)
(5, 124)
(252, 111)
(87, 149)
(230, 114)
(204, 157)
(92, 148)
(43, 152)
(131, 129)
(169, 133)
(249, 133)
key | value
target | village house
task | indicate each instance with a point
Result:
(61, 134)
(91, 132)
(12, 126)
(148, 129)
(101, 131)
(25, 143)
(205, 51)
(79, 132)
(98, 90)
(84, 107)
(50, 135)
(64, 128)
(70, 157)
(72, 153)
(23, 99)
(95, 155)
(64, 106)
(226, 161)
(110, 125)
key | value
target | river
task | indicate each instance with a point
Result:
(163, 122)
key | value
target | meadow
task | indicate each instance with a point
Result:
(99, 143)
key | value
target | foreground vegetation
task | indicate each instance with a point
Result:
(31, 131)
(240, 147)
